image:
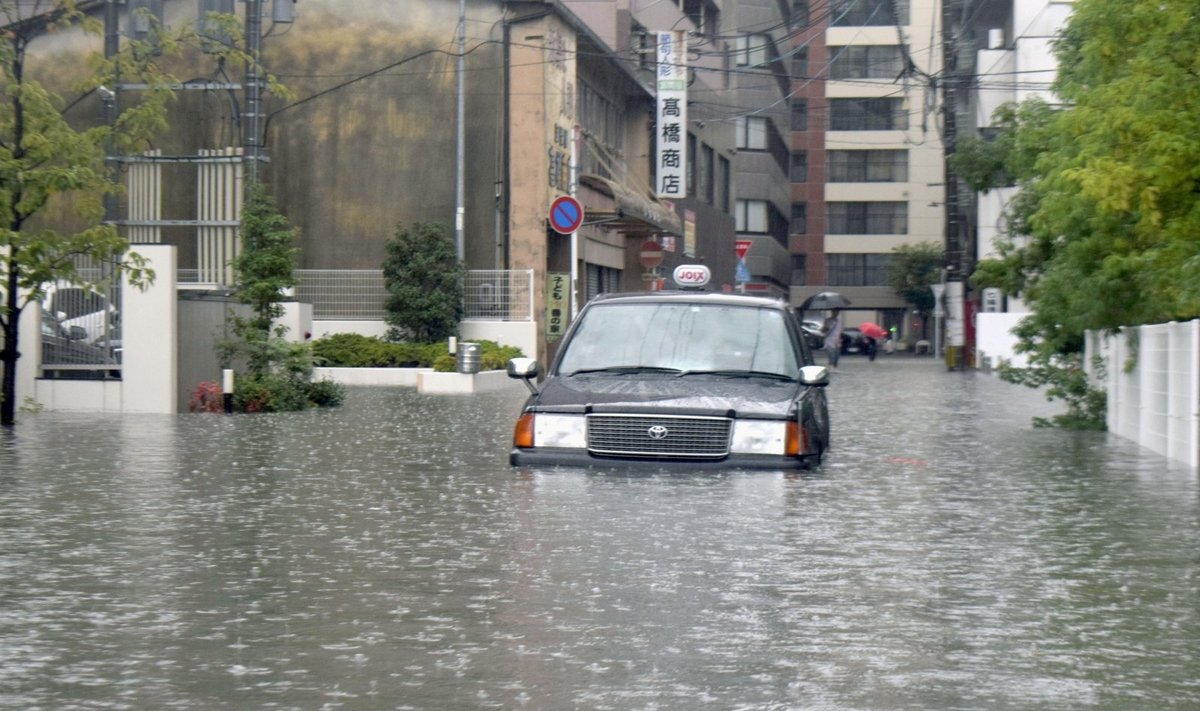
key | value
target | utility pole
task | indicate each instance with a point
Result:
(956, 267)
(252, 123)
(460, 207)
(108, 98)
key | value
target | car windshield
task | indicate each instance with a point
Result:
(680, 337)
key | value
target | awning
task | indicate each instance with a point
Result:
(629, 211)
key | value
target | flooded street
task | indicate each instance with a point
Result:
(947, 555)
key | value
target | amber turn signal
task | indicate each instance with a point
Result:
(523, 433)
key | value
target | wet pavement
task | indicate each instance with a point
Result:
(947, 555)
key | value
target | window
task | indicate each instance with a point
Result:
(868, 218)
(703, 14)
(799, 114)
(800, 63)
(868, 13)
(799, 171)
(858, 269)
(866, 62)
(753, 50)
(800, 13)
(604, 122)
(799, 224)
(751, 133)
(868, 166)
(751, 216)
(799, 270)
(867, 115)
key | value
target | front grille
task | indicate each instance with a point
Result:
(658, 436)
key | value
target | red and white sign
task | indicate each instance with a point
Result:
(651, 255)
(742, 246)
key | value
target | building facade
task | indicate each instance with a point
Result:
(867, 147)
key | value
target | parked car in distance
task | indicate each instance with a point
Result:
(686, 378)
(814, 333)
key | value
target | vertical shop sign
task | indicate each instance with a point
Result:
(558, 296)
(671, 135)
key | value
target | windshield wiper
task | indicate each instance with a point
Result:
(739, 374)
(625, 369)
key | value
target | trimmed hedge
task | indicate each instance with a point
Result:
(352, 350)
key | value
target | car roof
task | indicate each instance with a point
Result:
(689, 297)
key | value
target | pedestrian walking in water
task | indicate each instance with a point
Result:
(833, 337)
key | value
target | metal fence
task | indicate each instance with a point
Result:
(360, 294)
(81, 330)
(1152, 378)
(343, 294)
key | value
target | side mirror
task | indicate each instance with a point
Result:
(814, 375)
(77, 333)
(526, 369)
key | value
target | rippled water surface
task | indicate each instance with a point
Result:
(383, 555)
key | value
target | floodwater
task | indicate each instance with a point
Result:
(383, 555)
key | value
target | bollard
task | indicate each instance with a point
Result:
(227, 389)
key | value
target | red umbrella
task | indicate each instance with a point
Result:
(872, 330)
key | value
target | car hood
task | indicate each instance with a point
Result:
(690, 394)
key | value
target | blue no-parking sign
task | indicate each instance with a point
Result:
(566, 215)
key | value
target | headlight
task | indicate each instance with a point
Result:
(559, 431)
(758, 437)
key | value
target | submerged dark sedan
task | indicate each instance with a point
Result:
(692, 378)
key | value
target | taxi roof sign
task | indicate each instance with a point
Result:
(691, 276)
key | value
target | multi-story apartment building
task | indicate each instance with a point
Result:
(867, 147)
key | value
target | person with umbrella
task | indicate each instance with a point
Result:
(872, 333)
(833, 337)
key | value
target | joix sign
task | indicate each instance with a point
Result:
(671, 143)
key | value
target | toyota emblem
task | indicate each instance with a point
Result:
(657, 432)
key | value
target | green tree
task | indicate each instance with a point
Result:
(278, 373)
(912, 270)
(45, 163)
(424, 280)
(265, 267)
(53, 175)
(1105, 230)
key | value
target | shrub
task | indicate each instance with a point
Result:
(269, 394)
(351, 350)
(207, 397)
(325, 393)
(424, 281)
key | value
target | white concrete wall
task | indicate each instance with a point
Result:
(1156, 403)
(149, 339)
(995, 342)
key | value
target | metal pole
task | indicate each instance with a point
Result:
(574, 178)
(252, 126)
(108, 96)
(460, 208)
